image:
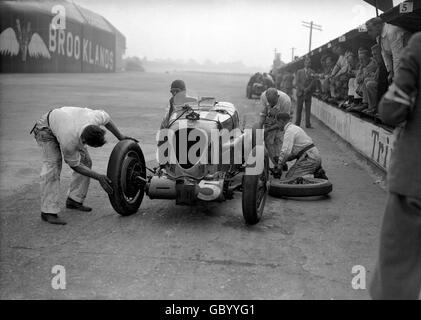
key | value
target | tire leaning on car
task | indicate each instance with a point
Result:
(125, 164)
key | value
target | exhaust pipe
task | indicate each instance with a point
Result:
(162, 188)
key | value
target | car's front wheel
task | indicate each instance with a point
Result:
(127, 171)
(255, 190)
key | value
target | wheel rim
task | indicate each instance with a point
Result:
(261, 192)
(132, 168)
(302, 181)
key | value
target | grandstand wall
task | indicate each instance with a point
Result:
(373, 141)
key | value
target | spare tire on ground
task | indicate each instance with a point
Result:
(299, 187)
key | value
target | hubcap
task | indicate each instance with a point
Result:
(132, 168)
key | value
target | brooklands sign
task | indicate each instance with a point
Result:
(64, 42)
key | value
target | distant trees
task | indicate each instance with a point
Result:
(133, 64)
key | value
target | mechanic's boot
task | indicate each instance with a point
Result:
(72, 204)
(52, 218)
(321, 174)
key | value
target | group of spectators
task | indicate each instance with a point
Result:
(355, 81)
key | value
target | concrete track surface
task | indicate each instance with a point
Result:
(302, 249)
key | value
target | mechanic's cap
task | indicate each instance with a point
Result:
(178, 84)
(272, 96)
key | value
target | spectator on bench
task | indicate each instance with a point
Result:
(353, 96)
(320, 76)
(325, 77)
(366, 73)
(343, 88)
(371, 83)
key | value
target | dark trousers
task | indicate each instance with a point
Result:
(398, 270)
(301, 100)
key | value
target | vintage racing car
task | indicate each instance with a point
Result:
(255, 86)
(190, 167)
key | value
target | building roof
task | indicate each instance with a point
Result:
(74, 12)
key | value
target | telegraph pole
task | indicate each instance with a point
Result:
(311, 25)
(292, 51)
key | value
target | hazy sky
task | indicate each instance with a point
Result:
(224, 31)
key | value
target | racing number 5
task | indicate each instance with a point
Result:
(209, 190)
(406, 7)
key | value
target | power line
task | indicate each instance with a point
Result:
(311, 25)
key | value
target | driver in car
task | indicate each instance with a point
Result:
(297, 145)
(178, 87)
(67, 131)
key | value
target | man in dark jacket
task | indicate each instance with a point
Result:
(305, 88)
(398, 272)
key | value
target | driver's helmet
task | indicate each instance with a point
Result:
(178, 85)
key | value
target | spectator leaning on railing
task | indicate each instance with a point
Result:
(398, 272)
(353, 96)
(392, 40)
(351, 72)
(340, 69)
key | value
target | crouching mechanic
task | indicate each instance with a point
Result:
(273, 103)
(67, 131)
(297, 145)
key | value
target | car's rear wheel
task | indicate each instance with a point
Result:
(254, 196)
(127, 171)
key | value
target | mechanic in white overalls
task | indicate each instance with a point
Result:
(67, 131)
(298, 146)
(273, 102)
